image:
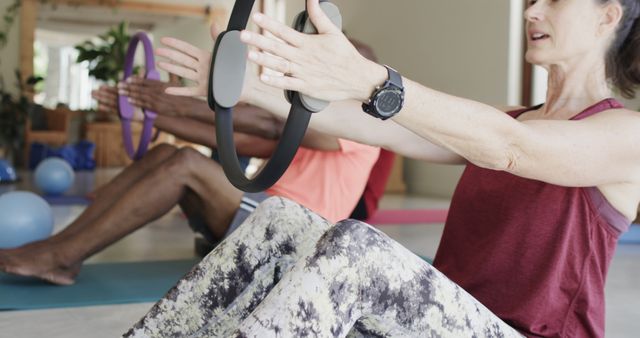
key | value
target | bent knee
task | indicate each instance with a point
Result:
(351, 238)
(163, 150)
(276, 203)
(184, 160)
(278, 208)
(285, 216)
(353, 230)
(189, 155)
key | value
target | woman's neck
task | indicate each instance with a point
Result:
(573, 88)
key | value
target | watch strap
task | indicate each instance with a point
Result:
(394, 77)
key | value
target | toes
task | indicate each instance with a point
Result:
(51, 277)
(56, 275)
(15, 270)
(58, 279)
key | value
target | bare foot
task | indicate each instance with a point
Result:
(40, 260)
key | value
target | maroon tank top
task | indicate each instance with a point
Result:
(536, 254)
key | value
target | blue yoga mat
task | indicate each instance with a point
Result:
(632, 236)
(97, 284)
(426, 259)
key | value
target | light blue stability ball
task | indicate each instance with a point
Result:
(24, 217)
(54, 176)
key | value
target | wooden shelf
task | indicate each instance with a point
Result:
(396, 184)
(107, 137)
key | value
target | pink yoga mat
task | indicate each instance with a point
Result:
(408, 216)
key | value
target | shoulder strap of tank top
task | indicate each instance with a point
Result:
(518, 112)
(601, 106)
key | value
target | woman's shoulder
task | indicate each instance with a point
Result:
(507, 109)
(619, 112)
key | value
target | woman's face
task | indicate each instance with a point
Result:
(559, 31)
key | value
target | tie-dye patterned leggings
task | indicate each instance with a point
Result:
(287, 272)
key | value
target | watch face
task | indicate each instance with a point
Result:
(388, 102)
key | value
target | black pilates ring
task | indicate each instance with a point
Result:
(228, 66)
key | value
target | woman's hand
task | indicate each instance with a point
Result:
(193, 63)
(325, 66)
(187, 61)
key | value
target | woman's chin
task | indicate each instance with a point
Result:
(535, 58)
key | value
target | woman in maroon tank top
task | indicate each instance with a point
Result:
(532, 226)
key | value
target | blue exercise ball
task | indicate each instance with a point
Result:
(25, 218)
(54, 176)
(7, 173)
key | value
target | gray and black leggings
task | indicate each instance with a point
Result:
(287, 272)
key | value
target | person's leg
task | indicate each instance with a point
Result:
(224, 288)
(358, 278)
(134, 171)
(110, 192)
(206, 241)
(148, 199)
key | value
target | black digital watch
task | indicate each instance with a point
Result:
(388, 98)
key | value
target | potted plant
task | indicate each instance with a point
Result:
(14, 109)
(106, 55)
(14, 112)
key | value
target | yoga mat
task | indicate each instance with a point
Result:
(408, 216)
(426, 259)
(97, 284)
(632, 236)
(67, 200)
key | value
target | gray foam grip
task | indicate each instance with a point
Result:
(229, 67)
(332, 11)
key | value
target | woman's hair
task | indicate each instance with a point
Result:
(623, 58)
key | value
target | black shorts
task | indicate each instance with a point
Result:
(248, 204)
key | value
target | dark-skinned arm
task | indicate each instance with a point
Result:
(265, 129)
(195, 131)
(150, 95)
(246, 119)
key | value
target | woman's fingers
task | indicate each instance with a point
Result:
(182, 46)
(278, 29)
(282, 82)
(319, 19)
(178, 57)
(274, 63)
(179, 70)
(268, 44)
(184, 91)
(214, 31)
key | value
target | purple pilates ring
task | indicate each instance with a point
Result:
(126, 109)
